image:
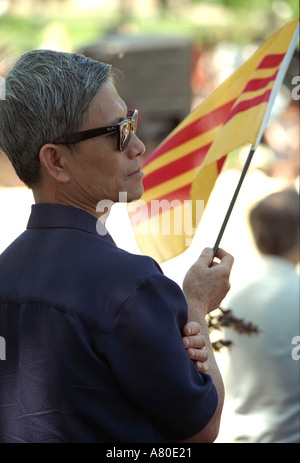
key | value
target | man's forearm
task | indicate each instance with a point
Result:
(205, 286)
(198, 314)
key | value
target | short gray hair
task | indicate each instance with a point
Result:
(47, 96)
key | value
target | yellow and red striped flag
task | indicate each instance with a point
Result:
(180, 174)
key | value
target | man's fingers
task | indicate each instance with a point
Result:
(196, 341)
(191, 328)
(206, 256)
(225, 257)
(199, 355)
(201, 367)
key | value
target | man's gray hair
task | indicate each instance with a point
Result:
(47, 96)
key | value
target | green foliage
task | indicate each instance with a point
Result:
(249, 4)
(240, 21)
(252, 5)
(18, 33)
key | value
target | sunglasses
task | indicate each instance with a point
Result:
(123, 129)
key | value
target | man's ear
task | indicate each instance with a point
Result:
(52, 158)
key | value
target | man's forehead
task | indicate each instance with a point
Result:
(107, 105)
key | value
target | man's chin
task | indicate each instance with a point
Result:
(133, 196)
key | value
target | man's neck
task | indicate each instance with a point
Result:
(101, 211)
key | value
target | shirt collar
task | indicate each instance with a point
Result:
(46, 215)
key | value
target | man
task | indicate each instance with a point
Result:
(262, 377)
(93, 333)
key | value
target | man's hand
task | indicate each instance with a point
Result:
(194, 343)
(207, 286)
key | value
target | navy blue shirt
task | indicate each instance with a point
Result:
(94, 348)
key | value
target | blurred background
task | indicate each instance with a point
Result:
(187, 47)
(172, 54)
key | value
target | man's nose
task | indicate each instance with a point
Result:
(135, 147)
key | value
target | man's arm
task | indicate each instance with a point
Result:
(204, 288)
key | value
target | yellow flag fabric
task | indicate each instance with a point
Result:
(181, 173)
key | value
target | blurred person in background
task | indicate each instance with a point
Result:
(98, 344)
(261, 376)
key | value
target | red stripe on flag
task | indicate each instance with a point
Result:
(257, 84)
(271, 61)
(247, 104)
(213, 118)
(220, 163)
(148, 210)
(175, 168)
(198, 127)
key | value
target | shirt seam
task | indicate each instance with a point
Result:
(133, 291)
(118, 314)
(67, 310)
(60, 308)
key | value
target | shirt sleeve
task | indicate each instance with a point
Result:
(151, 365)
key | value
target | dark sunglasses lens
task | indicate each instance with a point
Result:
(125, 134)
(125, 130)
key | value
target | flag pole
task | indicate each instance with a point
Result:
(233, 200)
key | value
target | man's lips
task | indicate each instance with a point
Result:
(136, 174)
